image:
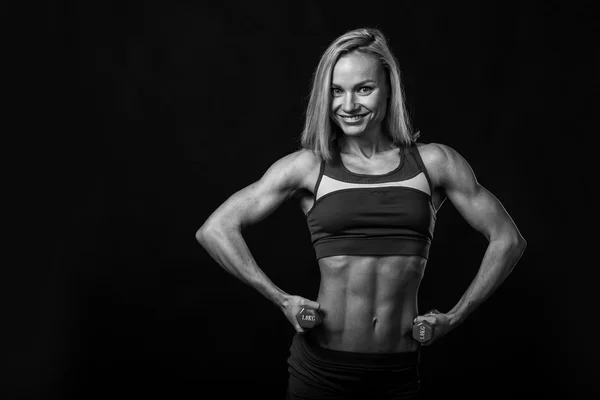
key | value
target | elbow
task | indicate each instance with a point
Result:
(512, 242)
(203, 233)
(523, 244)
(516, 246)
(212, 229)
(520, 243)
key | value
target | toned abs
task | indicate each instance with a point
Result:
(368, 303)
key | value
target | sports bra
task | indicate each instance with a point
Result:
(363, 214)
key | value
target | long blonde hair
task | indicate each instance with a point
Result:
(319, 133)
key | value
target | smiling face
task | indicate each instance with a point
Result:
(359, 93)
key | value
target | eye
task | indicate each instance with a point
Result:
(336, 91)
(365, 90)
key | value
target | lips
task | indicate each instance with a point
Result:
(352, 118)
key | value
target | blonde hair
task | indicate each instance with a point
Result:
(319, 133)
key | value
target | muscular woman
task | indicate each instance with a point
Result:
(370, 192)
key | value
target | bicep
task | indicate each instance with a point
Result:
(258, 200)
(478, 206)
(483, 211)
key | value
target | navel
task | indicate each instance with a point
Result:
(374, 322)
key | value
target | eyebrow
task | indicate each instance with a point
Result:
(358, 84)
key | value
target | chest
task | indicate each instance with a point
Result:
(327, 186)
(386, 211)
(348, 172)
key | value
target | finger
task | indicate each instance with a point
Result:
(420, 318)
(429, 318)
(310, 304)
(423, 317)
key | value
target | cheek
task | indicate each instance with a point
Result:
(333, 112)
(335, 104)
(379, 104)
(384, 103)
(383, 106)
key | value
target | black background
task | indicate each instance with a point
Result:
(146, 116)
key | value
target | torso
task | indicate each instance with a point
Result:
(368, 302)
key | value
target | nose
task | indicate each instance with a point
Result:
(349, 105)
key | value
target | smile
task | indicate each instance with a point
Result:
(352, 118)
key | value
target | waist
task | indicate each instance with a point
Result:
(317, 372)
(310, 342)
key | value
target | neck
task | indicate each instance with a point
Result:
(365, 146)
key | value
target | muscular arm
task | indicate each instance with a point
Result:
(221, 234)
(484, 212)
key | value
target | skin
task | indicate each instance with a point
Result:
(368, 303)
(359, 87)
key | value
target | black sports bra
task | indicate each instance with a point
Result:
(359, 214)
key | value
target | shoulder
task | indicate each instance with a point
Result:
(307, 166)
(294, 167)
(442, 161)
(306, 158)
(301, 169)
(301, 161)
(435, 154)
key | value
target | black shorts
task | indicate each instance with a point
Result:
(319, 373)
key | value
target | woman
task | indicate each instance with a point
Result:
(370, 193)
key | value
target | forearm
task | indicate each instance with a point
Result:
(498, 261)
(228, 248)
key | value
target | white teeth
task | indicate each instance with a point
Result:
(353, 118)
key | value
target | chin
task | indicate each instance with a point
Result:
(353, 131)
